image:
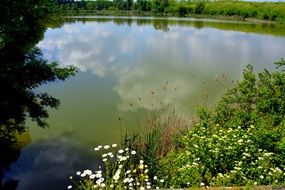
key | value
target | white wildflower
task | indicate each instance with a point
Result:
(88, 172)
(106, 146)
(117, 175)
(92, 176)
(99, 175)
(126, 180)
(120, 151)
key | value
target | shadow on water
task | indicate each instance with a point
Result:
(9, 154)
(46, 165)
(22, 69)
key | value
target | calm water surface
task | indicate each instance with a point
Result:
(130, 68)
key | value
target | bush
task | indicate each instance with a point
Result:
(214, 156)
(258, 100)
(240, 143)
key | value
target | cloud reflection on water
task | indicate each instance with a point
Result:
(142, 59)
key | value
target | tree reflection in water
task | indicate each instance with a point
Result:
(22, 69)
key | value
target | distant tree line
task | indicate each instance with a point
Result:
(259, 10)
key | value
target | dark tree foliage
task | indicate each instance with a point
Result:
(158, 6)
(143, 5)
(123, 4)
(22, 69)
(199, 7)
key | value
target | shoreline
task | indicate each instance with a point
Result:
(150, 14)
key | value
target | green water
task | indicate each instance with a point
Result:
(130, 68)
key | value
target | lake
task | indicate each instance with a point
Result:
(131, 68)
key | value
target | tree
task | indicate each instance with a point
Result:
(199, 7)
(22, 69)
(119, 4)
(158, 6)
(143, 5)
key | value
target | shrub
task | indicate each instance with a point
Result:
(214, 156)
(259, 99)
(241, 142)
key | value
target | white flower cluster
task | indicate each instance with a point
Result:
(228, 156)
(123, 171)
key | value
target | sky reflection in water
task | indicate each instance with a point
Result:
(127, 70)
(140, 60)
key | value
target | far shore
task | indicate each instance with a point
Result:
(147, 14)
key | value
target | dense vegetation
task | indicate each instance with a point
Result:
(240, 142)
(265, 11)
